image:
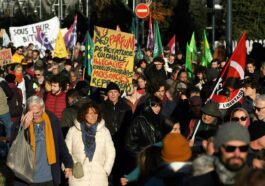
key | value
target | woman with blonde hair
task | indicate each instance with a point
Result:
(240, 115)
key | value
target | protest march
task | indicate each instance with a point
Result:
(107, 110)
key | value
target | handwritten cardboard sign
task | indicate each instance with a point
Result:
(5, 57)
(113, 58)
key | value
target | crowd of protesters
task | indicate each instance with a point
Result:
(161, 132)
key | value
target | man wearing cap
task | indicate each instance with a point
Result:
(117, 115)
(231, 144)
(207, 123)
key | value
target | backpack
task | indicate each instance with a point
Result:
(15, 103)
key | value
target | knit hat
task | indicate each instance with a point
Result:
(112, 86)
(256, 130)
(230, 131)
(175, 148)
(211, 108)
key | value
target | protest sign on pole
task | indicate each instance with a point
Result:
(23, 35)
(113, 58)
(5, 57)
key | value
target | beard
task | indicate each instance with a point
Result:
(234, 166)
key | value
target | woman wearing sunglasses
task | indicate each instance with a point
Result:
(240, 115)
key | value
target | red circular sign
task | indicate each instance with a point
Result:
(142, 10)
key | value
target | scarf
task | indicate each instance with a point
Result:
(50, 147)
(89, 140)
(226, 177)
(19, 77)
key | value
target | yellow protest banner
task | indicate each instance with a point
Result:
(60, 49)
(5, 57)
(113, 58)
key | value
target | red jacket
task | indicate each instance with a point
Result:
(56, 103)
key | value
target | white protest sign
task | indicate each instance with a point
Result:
(23, 35)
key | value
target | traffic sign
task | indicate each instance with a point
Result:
(142, 10)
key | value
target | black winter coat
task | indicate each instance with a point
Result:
(116, 116)
(144, 130)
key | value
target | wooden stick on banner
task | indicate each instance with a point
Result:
(84, 69)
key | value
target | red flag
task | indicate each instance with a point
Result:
(228, 89)
(171, 44)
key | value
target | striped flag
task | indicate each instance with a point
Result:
(150, 37)
(70, 37)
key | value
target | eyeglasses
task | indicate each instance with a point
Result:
(37, 74)
(258, 108)
(242, 118)
(231, 148)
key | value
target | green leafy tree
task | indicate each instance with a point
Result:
(249, 16)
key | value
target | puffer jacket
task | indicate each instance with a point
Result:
(96, 172)
(56, 104)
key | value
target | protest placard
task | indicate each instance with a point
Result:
(113, 58)
(5, 57)
(23, 35)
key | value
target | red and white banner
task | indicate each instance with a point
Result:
(228, 89)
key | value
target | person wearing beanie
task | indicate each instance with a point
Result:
(165, 163)
(231, 144)
(175, 148)
(175, 166)
(117, 115)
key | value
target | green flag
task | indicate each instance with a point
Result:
(158, 47)
(206, 52)
(88, 54)
(139, 53)
(193, 48)
(188, 63)
(133, 26)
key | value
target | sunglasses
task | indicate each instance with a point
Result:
(242, 118)
(258, 108)
(231, 148)
(37, 74)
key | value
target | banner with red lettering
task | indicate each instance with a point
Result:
(113, 58)
(5, 57)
